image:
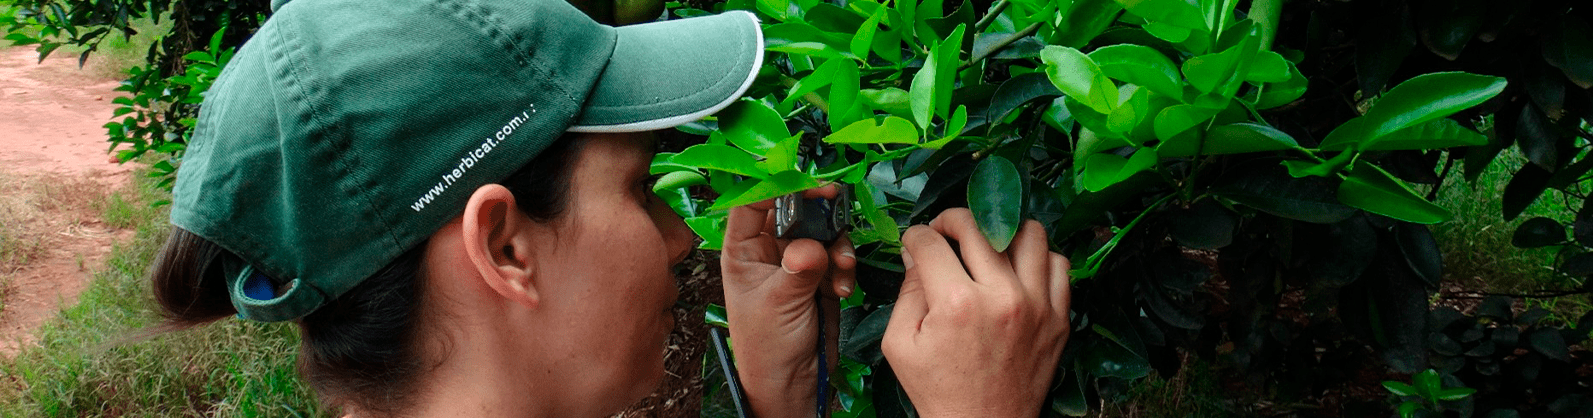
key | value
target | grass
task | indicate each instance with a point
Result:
(1476, 243)
(87, 365)
(1193, 393)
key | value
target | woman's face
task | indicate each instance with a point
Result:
(611, 282)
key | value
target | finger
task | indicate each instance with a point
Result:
(747, 222)
(929, 257)
(1031, 258)
(907, 315)
(828, 191)
(803, 266)
(843, 268)
(984, 265)
(1060, 284)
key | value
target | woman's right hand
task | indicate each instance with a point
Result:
(980, 334)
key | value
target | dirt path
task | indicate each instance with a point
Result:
(54, 171)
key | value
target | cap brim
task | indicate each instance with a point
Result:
(669, 73)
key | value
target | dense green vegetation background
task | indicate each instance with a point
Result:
(1244, 246)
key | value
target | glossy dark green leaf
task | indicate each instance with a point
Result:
(1448, 25)
(1421, 253)
(710, 228)
(752, 125)
(721, 157)
(1077, 76)
(1269, 188)
(1570, 48)
(1580, 265)
(862, 343)
(1018, 91)
(873, 211)
(1130, 112)
(1416, 101)
(1547, 341)
(782, 34)
(1205, 225)
(1434, 134)
(1106, 359)
(1269, 67)
(1399, 388)
(892, 100)
(1068, 397)
(832, 18)
(1140, 65)
(1228, 139)
(995, 196)
(1536, 136)
(1382, 42)
(1374, 190)
(1538, 232)
(1523, 189)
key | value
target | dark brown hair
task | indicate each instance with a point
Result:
(360, 350)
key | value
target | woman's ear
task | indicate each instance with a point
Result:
(497, 239)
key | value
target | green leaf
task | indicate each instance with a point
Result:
(752, 125)
(1538, 232)
(1213, 72)
(930, 94)
(1228, 139)
(995, 195)
(814, 49)
(1173, 12)
(1433, 134)
(710, 228)
(1268, 67)
(1302, 168)
(1141, 65)
(782, 34)
(1399, 388)
(1104, 170)
(877, 130)
(1279, 94)
(783, 156)
(883, 225)
(1082, 21)
(1176, 119)
(1414, 102)
(1572, 50)
(777, 9)
(863, 41)
(777, 184)
(844, 94)
(1370, 188)
(1455, 394)
(1079, 77)
(721, 157)
(1131, 112)
(679, 179)
(1266, 187)
(1427, 384)
(663, 163)
(892, 100)
(820, 77)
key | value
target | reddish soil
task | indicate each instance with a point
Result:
(54, 169)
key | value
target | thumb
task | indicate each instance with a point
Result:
(805, 262)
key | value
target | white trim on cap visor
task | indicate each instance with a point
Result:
(673, 121)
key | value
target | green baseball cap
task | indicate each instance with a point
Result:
(345, 132)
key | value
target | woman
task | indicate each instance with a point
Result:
(450, 197)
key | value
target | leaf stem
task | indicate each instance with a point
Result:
(1002, 44)
(1093, 264)
(990, 17)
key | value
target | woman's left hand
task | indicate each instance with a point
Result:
(769, 298)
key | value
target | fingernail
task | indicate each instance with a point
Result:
(788, 270)
(907, 260)
(848, 254)
(846, 291)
